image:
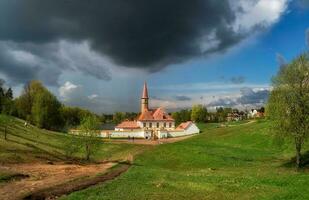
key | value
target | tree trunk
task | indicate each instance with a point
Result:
(5, 133)
(298, 152)
(87, 153)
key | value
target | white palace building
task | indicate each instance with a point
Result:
(151, 124)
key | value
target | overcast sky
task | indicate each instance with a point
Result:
(96, 54)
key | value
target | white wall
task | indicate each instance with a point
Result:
(123, 134)
(177, 133)
(162, 134)
(192, 129)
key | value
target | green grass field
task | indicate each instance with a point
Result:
(235, 162)
(30, 144)
(238, 162)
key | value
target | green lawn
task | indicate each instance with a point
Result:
(30, 144)
(238, 162)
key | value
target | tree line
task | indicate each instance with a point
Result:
(199, 113)
(38, 106)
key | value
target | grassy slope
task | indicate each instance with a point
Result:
(237, 162)
(29, 144)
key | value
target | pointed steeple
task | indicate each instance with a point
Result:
(145, 91)
(144, 99)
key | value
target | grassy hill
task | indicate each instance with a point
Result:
(237, 162)
(31, 144)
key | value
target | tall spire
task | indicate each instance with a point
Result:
(145, 91)
(144, 99)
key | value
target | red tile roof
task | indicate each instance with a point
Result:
(157, 115)
(146, 115)
(128, 125)
(184, 125)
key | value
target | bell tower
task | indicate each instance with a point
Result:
(144, 99)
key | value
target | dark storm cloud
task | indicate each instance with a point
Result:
(223, 102)
(21, 62)
(182, 98)
(248, 97)
(157, 98)
(14, 70)
(145, 34)
(238, 79)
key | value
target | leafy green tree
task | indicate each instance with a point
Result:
(7, 105)
(119, 117)
(222, 113)
(212, 117)
(131, 115)
(199, 113)
(9, 94)
(5, 123)
(185, 115)
(72, 145)
(288, 105)
(25, 101)
(106, 118)
(177, 117)
(73, 116)
(181, 116)
(46, 111)
(2, 95)
(90, 141)
(40, 107)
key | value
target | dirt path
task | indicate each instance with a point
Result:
(44, 176)
(77, 185)
(249, 122)
(150, 142)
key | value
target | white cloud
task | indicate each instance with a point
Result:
(69, 90)
(257, 13)
(93, 96)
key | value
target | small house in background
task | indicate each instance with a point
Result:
(256, 113)
(236, 116)
(151, 124)
(233, 117)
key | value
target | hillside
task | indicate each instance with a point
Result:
(30, 144)
(240, 161)
(34, 160)
(237, 162)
